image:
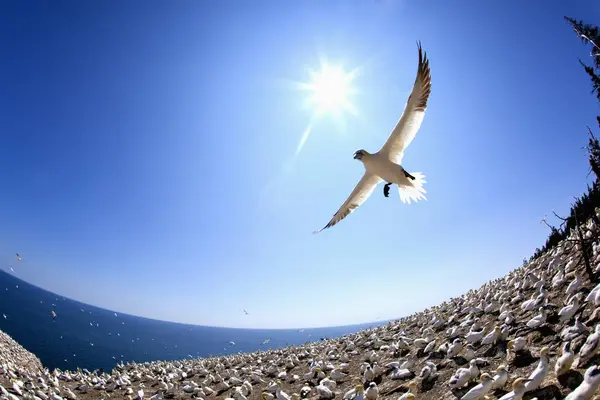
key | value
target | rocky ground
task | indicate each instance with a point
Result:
(523, 309)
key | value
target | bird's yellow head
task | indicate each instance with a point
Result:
(519, 382)
(501, 368)
(410, 396)
(485, 377)
(412, 385)
(359, 388)
(544, 351)
(510, 345)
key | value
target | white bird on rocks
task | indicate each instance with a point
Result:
(324, 392)
(368, 375)
(564, 362)
(571, 332)
(280, 394)
(461, 377)
(479, 391)
(385, 164)
(589, 386)
(412, 390)
(539, 319)
(372, 391)
(589, 348)
(492, 337)
(540, 372)
(567, 312)
(356, 393)
(518, 390)
(500, 378)
(455, 348)
(474, 336)
(517, 344)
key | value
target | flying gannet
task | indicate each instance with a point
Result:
(385, 164)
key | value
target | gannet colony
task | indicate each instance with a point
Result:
(533, 334)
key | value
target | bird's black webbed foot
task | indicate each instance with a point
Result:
(409, 176)
(386, 189)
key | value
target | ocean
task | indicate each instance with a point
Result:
(84, 336)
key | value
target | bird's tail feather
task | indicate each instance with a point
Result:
(413, 190)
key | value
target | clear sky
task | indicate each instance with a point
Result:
(147, 152)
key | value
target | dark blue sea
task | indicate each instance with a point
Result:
(90, 337)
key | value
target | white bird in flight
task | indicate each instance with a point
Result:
(385, 164)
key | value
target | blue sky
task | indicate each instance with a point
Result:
(147, 152)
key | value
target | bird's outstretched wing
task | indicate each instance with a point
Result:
(414, 112)
(359, 195)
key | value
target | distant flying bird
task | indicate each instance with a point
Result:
(19, 258)
(385, 164)
(53, 315)
(246, 312)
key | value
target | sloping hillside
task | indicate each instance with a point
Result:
(483, 328)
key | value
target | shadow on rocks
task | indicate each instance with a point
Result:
(428, 384)
(435, 355)
(460, 360)
(570, 379)
(523, 358)
(546, 393)
(397, 389)
(459, 393)
(494, 349)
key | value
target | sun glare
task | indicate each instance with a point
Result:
(330, 93)
(330, 90)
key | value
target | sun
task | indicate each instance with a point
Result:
(331, 90)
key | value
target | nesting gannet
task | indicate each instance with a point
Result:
(337, 375)
(500, 378)
(479, 391)
(492, 337)
(540, 372)
(568, 311)
(306, 389)
(474, 336)
(461, 377)
(324, 392)
(571, 332)
(589, 348)
(385, 164)
(280, 394)
(518, 390)
(587, 388)
(539, 319)
(469, 352)
(564, 362)
(455, 348)
(372, 391)
(517, 344)
(368, 375)
(412, 390)
(357, 393)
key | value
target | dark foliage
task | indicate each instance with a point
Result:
(585, 206)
